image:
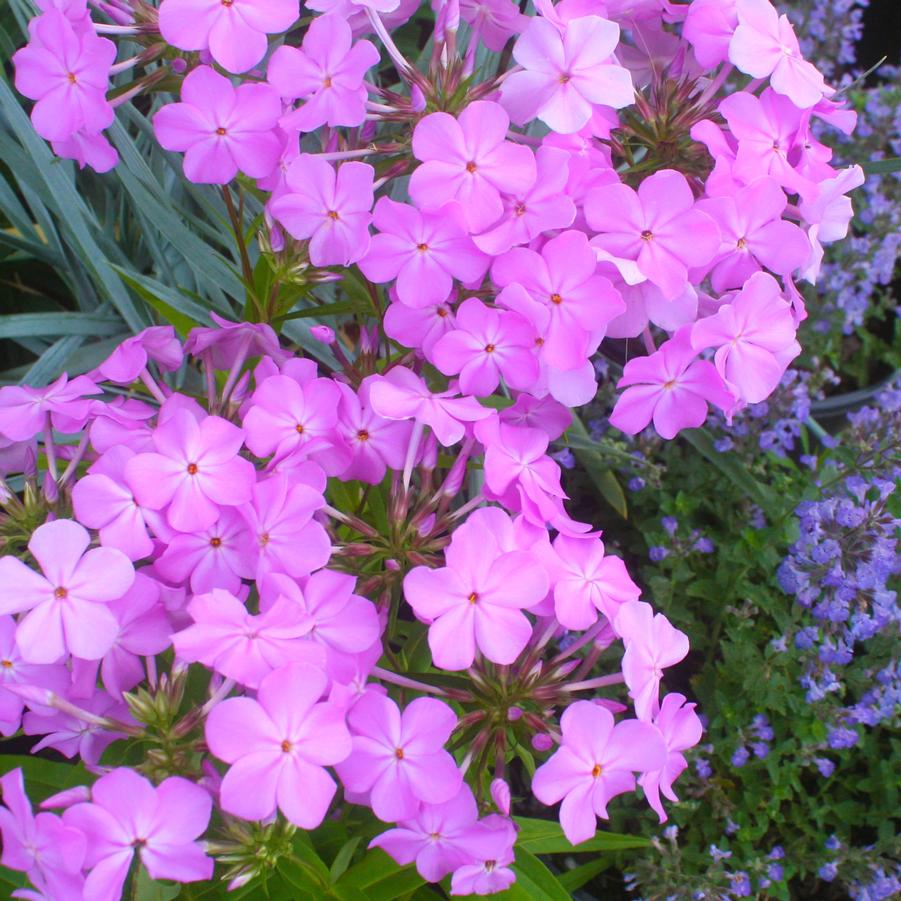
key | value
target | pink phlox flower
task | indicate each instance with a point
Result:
(681, 729)
(494, 21)
(67, 73)
(520, 474)
(424, 251)
(538, 413)
(404, 395)
(144, 631)
(68, 602)
(377, 443)
(344, 623)
(128, 360)
(468, 159)
(487, 344)
(645, 303)
(102, 500)
(41, 846)
(278, 746)
(219, 556)
(652, 644)
(398, 756)
(195, 471)
(566, 74)
(76, 11)
(24, 409)
(244, 647)
(594, 763)
(709, 26)
(577, 302)
(123, 421)
(14, 672)
(672, 387)
(436, 838)
(418, 327)
(128, 815)
(755, 337)
(331, 210)
(327, 73)
(754, 235)
(221, 129)
(490, 845)
(544, 207)
(235, 33)
(285, 417)
(766, 129)
(475, 602)
(658, 226)
(86, 149)
(72, 736)
(765, 45)
(281, 520)
(230, 341)
(587, 581)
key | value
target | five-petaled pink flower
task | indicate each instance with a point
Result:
(469, 159)
(67, 73)
(476, 601)
(487, 345)
(331, 209)
(595, 762)
(425, 252)
(327, 73)
(672, 387)
(765, 44)
(220, 128)
(234, 31)
(659, 227)
(278, 746)
(652, 644)
(399, 757)
(127, 816)
(68, 603)
(566, 74)
(195, 470)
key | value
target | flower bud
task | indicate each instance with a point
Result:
(500, 794)
(323, 333)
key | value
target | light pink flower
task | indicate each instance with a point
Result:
(589, 581)
(436, 837)
(68, 602)
(399, 757)
(67, 73)
(423, 251)
(652, 644)
(494, 21)
(234, 32)
(476, 601)
(469, 159)
(221, 129)
(672, 387)
(594, 763)
(754, 336)
(681, 729)
(487, 345)
(419, 327)
(566, 74)
(658, 227)
(327, 73)
(128, 815)
(195, 470)
(278, 746)
(491, 848)
(764, 44)
(332, 210)
(709, 26)
(544, 207)
(241, 646)
(128, 360)
(24, 409)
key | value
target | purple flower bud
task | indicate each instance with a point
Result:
(500, 794)
(178, 66)
(542, 742)
(323, 333)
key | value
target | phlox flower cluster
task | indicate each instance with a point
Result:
(369, 563)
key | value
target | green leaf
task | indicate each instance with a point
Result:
(578, 876)
(24, 325)
(153, 293)
(45, 777)
(147, 889)
(882, 167)
(601, 475)
(546, 837)
(343, 858)
(380, 878)
(534, 881)
(731, 467)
